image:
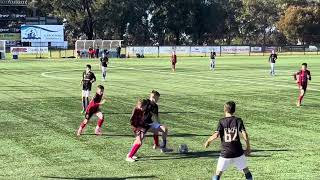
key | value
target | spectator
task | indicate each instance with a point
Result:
(97, 52)
(91, 52)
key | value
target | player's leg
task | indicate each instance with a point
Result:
(83, 101)
(84, 123)
(213, 64)
(241, 165)
(86, 94)
(136, 145)
(156, 139)
(223, 164)
(164, 132)
(100, 116)
(302, 93)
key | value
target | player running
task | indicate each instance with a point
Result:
(104, 64)
(229, 130)
(138, 127)
(92, 109)
(88, 78)
(272, 60)
(173, 61)
(302, 78)
(212, 60)
(152, 113)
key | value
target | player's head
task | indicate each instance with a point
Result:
(100, 89)
(88, 67)
(230, 107)
(154, 96)
(304, 66)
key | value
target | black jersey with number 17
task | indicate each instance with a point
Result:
(229, 129)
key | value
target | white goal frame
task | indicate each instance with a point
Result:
(3, 49)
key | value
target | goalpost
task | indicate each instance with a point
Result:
(2, 49)
(82, 46)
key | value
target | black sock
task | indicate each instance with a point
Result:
(84, 103)
(87, 102)
(248, 176)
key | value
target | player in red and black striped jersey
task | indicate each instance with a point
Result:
(302, 77)
(174, 61)
(94, 108)
(139, 128)
(229, 130)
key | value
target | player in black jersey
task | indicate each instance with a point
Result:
(229, 129)
(104, 64)
(88, 78)
(212, 60)
(272, 60)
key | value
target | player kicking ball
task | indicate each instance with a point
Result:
(151, 113)
(229, 129)
(138, 127)
(212, 60)
(88, 78)
(104, 64)
(173, 61)
(93, 108)
(302, 77)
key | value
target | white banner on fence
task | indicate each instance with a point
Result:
(235, 49)
(42, 33)
(29, 50)
(256, 49)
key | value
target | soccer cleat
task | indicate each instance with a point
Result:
(155, 147)
(133, 157)
(98, 131)
(298, 104)
(83, 111)
(128, 159)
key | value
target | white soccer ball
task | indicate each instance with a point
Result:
(183, 149)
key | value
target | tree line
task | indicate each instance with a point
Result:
(189, 22)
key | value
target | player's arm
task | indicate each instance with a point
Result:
(93, 78)
(295, 76)
(309, 74)
(214, 136)
(246, 139)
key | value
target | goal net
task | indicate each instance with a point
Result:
(82, 46)
(2, 49)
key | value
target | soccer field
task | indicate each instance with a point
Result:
(41, 104)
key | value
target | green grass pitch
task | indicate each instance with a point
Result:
(40, 112)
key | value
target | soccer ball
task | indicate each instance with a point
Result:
(183, 149)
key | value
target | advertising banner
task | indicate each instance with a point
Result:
(42, 33)
(10, 36)
(235, 49)
(29, 50)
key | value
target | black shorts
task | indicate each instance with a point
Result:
(89, 114)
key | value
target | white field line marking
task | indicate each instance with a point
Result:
(202, 78)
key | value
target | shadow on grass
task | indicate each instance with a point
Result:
(206, 154)
(150, 135)
(101, 178)
(129, 113)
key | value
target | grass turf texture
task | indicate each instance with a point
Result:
(40, 112)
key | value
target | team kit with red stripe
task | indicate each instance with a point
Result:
(145, 118)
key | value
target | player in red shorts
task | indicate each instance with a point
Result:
(302, 77)
(174, 61)
(139, 129)
(93, 108)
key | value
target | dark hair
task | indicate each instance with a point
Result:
(101, 87)
(156, 93)
(230, 107)
(304, 64)
(88, 66)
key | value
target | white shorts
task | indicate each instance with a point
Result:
(155, 125)
(103, 69)
(239, 162)
(85, 93)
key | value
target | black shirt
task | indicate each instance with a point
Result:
(229, 129)
(104, 61)
(86, 80)
(273, 58)
(150, 110)
(213, 55)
